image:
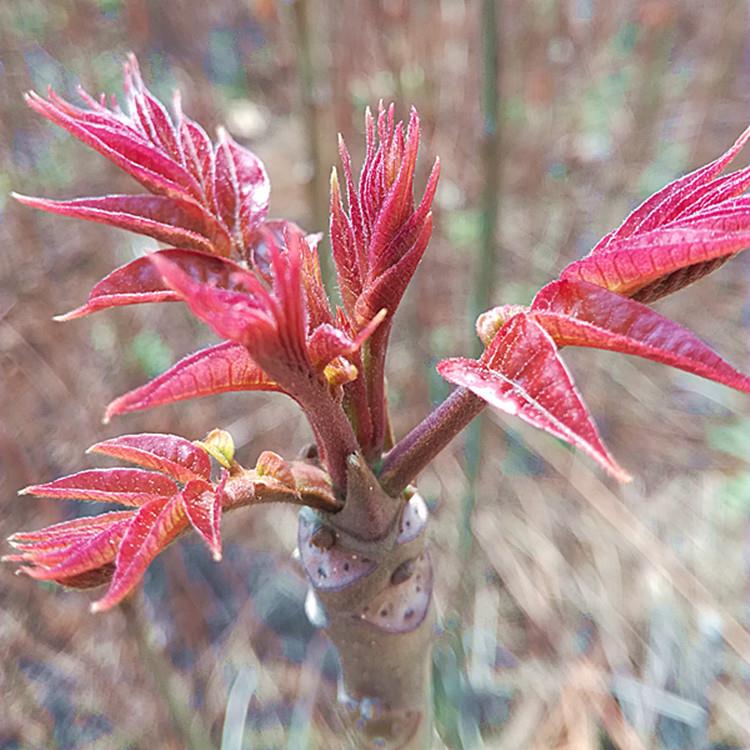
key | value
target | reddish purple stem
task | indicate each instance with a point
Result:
(412, 453)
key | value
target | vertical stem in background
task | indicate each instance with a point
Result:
(484, 268)
(188, 727)
(312, 114)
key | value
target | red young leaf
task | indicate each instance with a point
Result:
(169, 220)
(139, 281)
(247, 318)
(384, 229)
(576, 313)
(274, 324)
(112, 136)
(173, 455)
(125, 486)
(210, 198)
(154, 527)
(326, 342)
(202, 507)
(635, 265)
(270, 464)
(522, 374)
(86, 553)
(686, 230)
(218, 369)
(64, 534)
(676, 197)
(241, 189)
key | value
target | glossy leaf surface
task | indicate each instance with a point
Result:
(577, 313)
(522, 374)
(209, 197)
(118, 546)
(125, 486)
(139, 281)
(684, 231)
(217, 369)
(170, 454)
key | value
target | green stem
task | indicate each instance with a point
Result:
(371, 589)
(311, 119)
(485, 266)
(188, 727)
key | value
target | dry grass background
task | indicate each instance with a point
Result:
(582, 615)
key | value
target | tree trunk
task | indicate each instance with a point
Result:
(371, 589)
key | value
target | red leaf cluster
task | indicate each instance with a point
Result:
(267, 300)
(377, 246)
(209, 197)
(257, 284)
(168, 496)
(684, 231)
(118, 546)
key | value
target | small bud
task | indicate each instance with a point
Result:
(340, 371)
(219, 444)
(272, 465)
(491, 321)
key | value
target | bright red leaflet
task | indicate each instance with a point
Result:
(681, 233)
(379, 243)
(139, 281)
(285, 327)
(377, 246)
(218, 369)
(577, 313)
(582, 314)
(124, 486)
(169, 454)
(521, 373)
(117, 547)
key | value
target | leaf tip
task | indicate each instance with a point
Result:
(79, 312)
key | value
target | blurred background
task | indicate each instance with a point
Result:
(574, 614)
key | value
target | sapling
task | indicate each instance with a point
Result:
(362, 539)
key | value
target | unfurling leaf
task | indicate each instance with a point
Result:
(522, 374)
(576, 313)
(379, 243)
(125, 486)
(155, 525)
(139, 281)
(270, 464)
(687, 229)
(169, 454)
(202, 506)
(219, 444)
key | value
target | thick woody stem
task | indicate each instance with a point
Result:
(373, 596)
(414, 451)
